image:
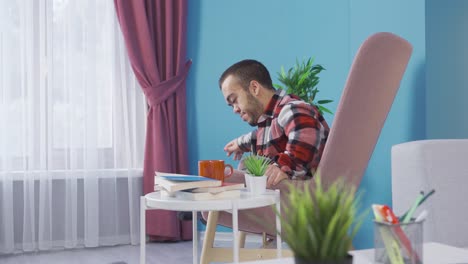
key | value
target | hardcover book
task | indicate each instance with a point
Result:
(226, 186)
(176, 182)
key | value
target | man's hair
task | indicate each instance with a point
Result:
(247, 70)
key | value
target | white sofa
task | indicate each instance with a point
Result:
(434, 164)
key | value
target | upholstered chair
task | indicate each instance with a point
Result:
(367, 97)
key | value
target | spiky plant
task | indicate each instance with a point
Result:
(256, 165)
(320, 225)
(302, 80)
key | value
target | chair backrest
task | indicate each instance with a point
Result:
(372, 84)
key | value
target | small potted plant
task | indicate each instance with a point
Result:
(255, 179)
(319, 225)
(302, 80)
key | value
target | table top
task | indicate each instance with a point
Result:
(245, 201)
(434, 253)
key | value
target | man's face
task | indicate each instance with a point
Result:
(242, 102)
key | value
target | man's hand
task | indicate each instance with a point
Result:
(275, 175)
(232, 147)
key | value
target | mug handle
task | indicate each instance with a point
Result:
(231, 169)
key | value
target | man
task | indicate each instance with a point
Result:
(290, 131)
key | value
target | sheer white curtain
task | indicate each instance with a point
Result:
(72, 127)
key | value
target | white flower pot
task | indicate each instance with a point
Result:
(256, 184)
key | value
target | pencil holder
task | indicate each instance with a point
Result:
(398, 243)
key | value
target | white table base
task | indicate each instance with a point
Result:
(232, 205)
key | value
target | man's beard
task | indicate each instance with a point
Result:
(257, 110)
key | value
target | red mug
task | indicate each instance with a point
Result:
(215, 169)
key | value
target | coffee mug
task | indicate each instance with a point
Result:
(214, 169)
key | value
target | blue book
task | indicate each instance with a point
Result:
(172, 182)
(186, 178)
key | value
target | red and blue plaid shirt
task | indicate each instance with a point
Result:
(291, 132)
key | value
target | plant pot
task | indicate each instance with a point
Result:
(347, 260)
(255, 184)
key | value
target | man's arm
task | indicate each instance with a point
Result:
(240, 145)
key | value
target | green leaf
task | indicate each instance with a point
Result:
(324, 109)
(324, 101)
(277, 86)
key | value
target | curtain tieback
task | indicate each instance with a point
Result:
(163, 90)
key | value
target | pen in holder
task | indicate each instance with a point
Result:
(400, 243)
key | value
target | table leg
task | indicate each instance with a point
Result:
(142, 230)
(278, 228)
(195, 237)
(235, 226)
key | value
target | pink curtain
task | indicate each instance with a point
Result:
(155, 37)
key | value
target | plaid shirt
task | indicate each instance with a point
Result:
(291, 132)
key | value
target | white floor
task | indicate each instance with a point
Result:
(156, 253)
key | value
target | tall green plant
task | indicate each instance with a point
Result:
(302, 80)
(321, 224)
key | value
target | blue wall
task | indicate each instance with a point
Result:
(275, 33)
(447, 64)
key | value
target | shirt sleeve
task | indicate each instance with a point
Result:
(304, 131)
(248, 141)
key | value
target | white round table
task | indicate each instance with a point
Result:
(247, 200)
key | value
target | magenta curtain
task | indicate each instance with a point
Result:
(155, 37)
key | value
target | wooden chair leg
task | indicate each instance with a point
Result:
(208, 241)
(242, 237)
(264, 240)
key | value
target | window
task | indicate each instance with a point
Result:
(68, 97)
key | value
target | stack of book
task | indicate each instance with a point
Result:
(195, 187)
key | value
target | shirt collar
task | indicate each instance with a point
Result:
(274, 102)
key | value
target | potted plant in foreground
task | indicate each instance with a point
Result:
(255, 179)
(319, 225)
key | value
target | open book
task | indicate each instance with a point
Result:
(172, 182)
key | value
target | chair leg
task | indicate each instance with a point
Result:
(208, 241)
(242, 237)
(264, 240)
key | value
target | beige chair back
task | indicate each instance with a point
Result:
(372, 84)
